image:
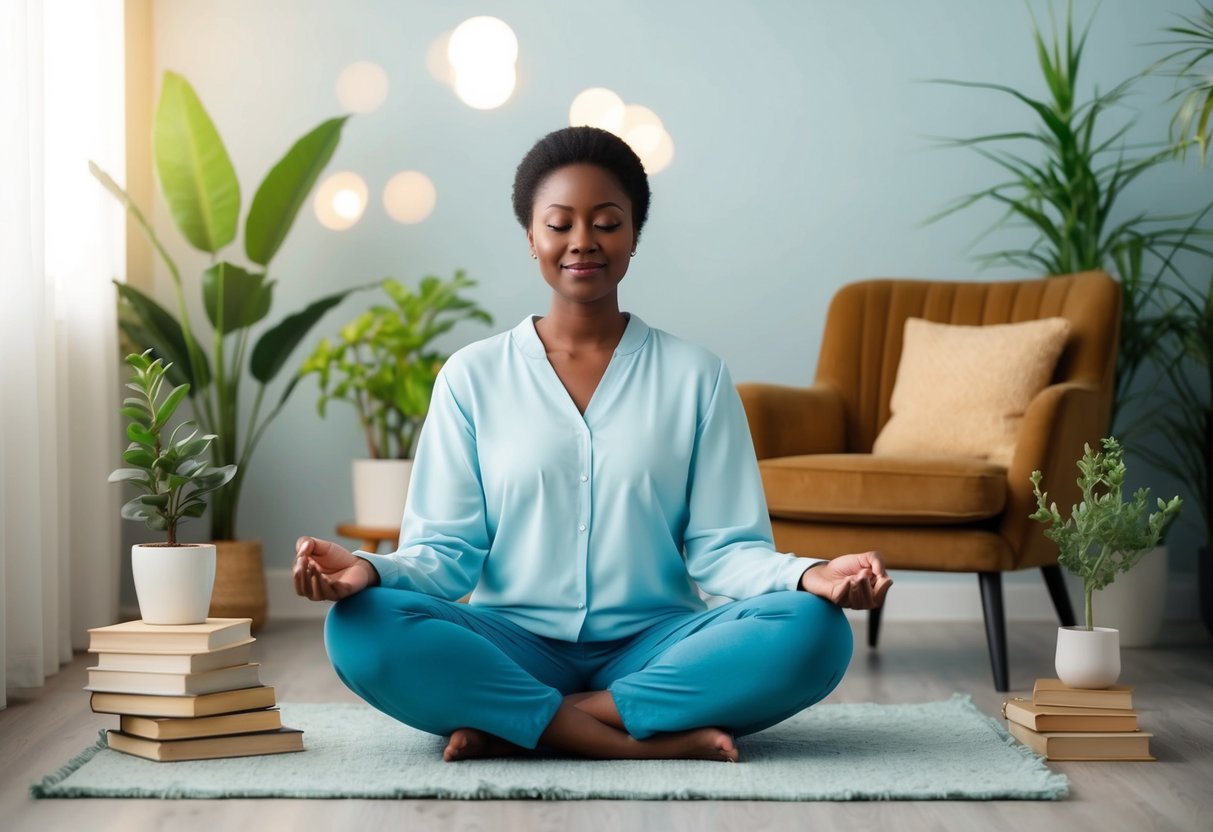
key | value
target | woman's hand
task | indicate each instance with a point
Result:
(325, 571)
(858, 582)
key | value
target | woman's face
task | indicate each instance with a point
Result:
(582, 232)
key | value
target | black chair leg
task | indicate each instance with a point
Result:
(996, 626)
(874, 625)
(1057, 591)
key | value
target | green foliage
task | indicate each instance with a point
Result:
(1104, 535)
(172, 476)
(199, 185)
(382, 363)
(1068, 178)
(1190, 124)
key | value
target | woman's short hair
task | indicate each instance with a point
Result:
(581, 145)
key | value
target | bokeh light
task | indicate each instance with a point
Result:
(436, 61)
(362, 87)
(340, 200)
(409, 197)
(481, 52)
(597, 107)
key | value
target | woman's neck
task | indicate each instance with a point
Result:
(576, 327)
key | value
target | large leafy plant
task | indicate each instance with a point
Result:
(382, 362)
(1104, 534)
(172, 474)
(203, 195)
(1068, 176)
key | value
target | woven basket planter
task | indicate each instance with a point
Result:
(239, 581)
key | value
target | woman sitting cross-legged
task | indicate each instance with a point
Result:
(583, 474)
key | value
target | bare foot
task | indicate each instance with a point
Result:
(699, 744)
(470, 744)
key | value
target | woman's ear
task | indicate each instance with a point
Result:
(530, 240)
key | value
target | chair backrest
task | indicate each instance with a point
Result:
(861, 346)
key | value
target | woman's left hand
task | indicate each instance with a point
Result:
(857, 582)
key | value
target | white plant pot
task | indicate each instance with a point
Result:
(173, 583)
(1088, 658)
(1136, 602)
(381, 487)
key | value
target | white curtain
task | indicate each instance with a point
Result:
(62, 241)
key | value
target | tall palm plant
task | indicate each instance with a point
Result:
(1067, 179)
(1190, 125)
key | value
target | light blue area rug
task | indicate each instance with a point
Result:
(931, 751)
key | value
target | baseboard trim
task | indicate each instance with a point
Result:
(947, 598)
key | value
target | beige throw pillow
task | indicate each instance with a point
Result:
(963, 390)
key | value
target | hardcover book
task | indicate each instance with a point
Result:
(1055, 692)
(1057, 718)
(135, 636)
(177, 728)
(282, 741)
(207, 704)
(239, 653)
(1124, 745)
(208, 681)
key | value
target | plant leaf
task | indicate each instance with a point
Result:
(274, 347)
(166, 336)
(285, 189)
(234, 298)
(196, 175)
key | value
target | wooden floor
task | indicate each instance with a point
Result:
(916, 662)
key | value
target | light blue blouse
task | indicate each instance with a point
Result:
(586, 528)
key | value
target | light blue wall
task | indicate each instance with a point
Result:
(804, 160)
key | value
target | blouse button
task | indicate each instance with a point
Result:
(584, 478)
(581, 528)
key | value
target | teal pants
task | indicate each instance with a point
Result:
(438, 666)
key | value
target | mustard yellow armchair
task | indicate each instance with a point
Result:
(829, 495)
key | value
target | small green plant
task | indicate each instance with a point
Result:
(1104, 534)
(173, 476)
(382, 363)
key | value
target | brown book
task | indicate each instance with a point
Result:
(1097, 745)
(208, 748)
(1055, 692)
(208, 681)
(136, 636)
(1057, 718)
(207, 704)
(239, 653)
(180, 728)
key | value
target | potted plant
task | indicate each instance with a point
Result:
(1069, 176)
(199, 185)
(1184, 413)
(1103, 535)
(383, 364)
(173, 580)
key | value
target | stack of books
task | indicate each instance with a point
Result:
(1065, 723)
(185, 691)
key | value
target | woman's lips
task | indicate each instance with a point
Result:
(583, 269)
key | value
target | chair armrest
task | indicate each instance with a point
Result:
(1056, 425)
(789, 421)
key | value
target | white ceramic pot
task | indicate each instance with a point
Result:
(1088, 658)
(173, 583)
(381, 487)
(1136, 602)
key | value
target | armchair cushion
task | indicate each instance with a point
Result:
(964, 389)
(862, 488)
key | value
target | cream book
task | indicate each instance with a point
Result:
(208, 748)
(137, 637)
(1068, 745)
(208, 681)
(207, 704)
(1057, 718)
(1055, 692)
(172, 728)
(239, 653)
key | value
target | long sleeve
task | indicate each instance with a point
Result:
(444, 536)
(728, 541)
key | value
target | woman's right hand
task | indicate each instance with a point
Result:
(325, 571)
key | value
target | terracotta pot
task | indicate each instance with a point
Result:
(173, 583)
(239, 581)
